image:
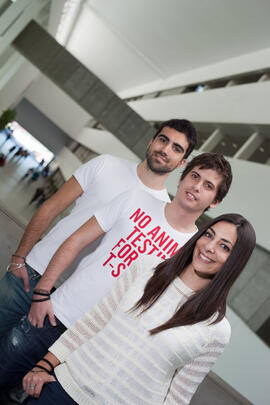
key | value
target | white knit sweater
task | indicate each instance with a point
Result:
(108, 356)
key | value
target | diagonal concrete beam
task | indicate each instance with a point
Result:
(55, 62)
(212, 141)
(249, 147)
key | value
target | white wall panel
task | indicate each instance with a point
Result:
(259, 60)
(245, 104)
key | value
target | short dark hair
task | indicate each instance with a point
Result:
(184, 126)
(216, 162)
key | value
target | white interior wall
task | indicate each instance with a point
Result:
(245, 104)
(259, 60)
(104, 142)
(13, 90)
(10, 68)
(245, 363)
(67, 162)
(57, 106)
(250, 196)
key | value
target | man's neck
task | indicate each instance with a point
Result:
(181, 219)
(149, 178)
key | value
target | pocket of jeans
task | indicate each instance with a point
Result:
(26, 325)
(33, 274)
(11, 275)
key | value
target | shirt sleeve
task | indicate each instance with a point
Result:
(94, 320)
(87, 174)
(187, 379)
(111, 212)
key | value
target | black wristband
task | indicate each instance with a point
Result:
(48, 362)
(42, 293)
(41, 300)
(42, 368)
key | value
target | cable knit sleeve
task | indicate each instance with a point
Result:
(94, 320)
(187, 379)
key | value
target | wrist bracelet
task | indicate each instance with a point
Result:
(44, 294)
(48, 362)
(41, 299)
(18, 266)
(21, 257)
(42, 368)
(40, 290)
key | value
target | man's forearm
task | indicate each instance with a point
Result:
(52, 359)
(35, 229)
(62, 258)
(68, 251)
(62, 199)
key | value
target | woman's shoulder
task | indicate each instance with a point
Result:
(221, 331)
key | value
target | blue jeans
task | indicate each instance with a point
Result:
(15, 301)
(23, 345)
(51, 394)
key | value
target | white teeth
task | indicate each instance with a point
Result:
(205, 258)
(191, 196)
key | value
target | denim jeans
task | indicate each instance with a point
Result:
(51, 394)
(23, 345)
(15, 302)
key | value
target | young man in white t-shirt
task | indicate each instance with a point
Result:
(92, 185)
(135, 223)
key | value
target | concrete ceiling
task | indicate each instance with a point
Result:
(132, 42)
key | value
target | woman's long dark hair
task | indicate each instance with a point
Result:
(210, 300)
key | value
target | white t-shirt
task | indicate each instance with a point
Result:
(101, 179)
(135, 225)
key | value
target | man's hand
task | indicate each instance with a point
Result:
(33, 382)
(39, 311)
(21, 272)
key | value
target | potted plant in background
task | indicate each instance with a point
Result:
(6, 117)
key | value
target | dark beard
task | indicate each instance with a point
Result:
(157, 170)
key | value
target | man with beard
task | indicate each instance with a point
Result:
(93, 185)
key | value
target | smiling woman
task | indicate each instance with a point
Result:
(161, 325)
(211, 251)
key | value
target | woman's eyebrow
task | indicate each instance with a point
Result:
(225, 240)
